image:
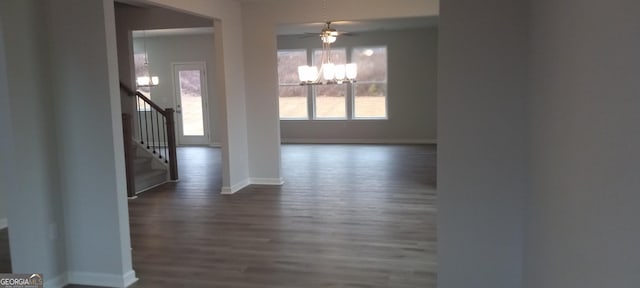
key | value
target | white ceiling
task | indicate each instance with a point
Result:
(360, 25)
(172, 32)
(294, 29)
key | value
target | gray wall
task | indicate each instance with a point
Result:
(582, 215)
(5, 127)
(129, 18)
(90, 146)
(63, 148)
(482, 89)
(29, 142)
(412, 75)
(538, 139)
(165, 50)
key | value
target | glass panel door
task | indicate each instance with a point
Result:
(191, 100)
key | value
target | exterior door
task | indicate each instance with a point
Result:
(192, 115)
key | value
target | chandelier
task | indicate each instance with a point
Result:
(329, 72)
(147, 80)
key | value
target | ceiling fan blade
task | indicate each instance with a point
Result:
(347, 34)
(308, 35)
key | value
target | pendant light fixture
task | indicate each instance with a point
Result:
(148, 80)
(329, 72)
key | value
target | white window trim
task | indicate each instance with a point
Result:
(350, 93)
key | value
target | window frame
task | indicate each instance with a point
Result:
(306, 51)
(313, 94)
(350, 93)
(385, 82)
(146, 91)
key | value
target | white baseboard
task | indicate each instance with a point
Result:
(235, 188)
(266, 181)
(101, 279)
(4, 223)
(57, 282)
(130, 278)
(357, 141)
(148, 188)
(251, 181)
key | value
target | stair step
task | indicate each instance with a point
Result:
(148, 173)
(142, 164)
(150, 178)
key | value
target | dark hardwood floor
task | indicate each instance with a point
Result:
(5, 256)
(348, 216)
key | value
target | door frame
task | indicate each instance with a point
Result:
(185, 140)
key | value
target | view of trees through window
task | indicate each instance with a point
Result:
(330, 100)
(192, 112)
(370, 100)
(368, 95)
(293, 97)
(141, 70)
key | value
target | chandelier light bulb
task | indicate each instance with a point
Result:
(313, 73)
(352, 71)
(146, 81)
(142, 81)
(328, 71)
(302, 73)
(340, 72)
(328, 39)
(307, 73)
(329, 36)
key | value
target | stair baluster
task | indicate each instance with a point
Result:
(158, 129)
(139, 120)
(146, 123)
(160, 141)
(166, 145)
(153, 140)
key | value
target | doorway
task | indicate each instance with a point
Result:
(191, 103)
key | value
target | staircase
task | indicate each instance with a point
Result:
(148, 171)
(149, 144)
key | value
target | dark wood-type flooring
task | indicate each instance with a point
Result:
(348, 216)
(5, 256)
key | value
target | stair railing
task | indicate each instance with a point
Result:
(156, 130)
(128, 154)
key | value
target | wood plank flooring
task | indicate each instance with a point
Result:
(5, 255)
(348, 216)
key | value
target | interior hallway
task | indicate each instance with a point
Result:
(348, 216)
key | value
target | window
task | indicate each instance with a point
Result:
(330, 100)
(142, 70)
(292, 96)
(370, 92)
(364, 99)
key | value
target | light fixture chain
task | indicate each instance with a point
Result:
(333, 73)
(144, 42)
(324, 10)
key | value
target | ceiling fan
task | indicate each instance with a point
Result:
(328, 33)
